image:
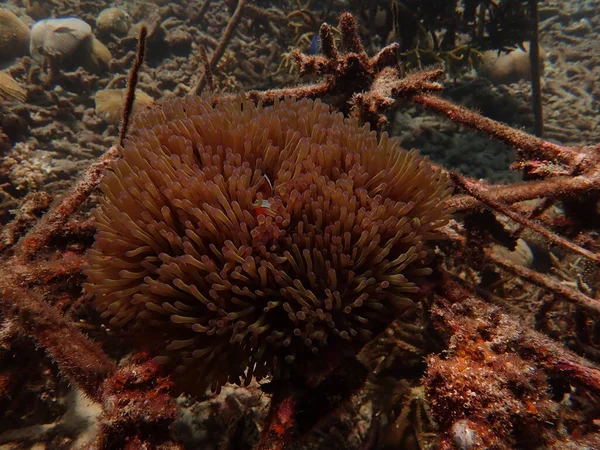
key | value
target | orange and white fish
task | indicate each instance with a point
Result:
(264, 206)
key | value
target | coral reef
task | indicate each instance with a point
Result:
(519, 344)
(14, 36)
(569, 88)
(493, 388)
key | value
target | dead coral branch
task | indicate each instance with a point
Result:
(487, 199)
(552, 188)
(132, 80)
(492, 387)
(206, 77)
(577, 159)
(55, 219)
(81, 360)
(359, 85)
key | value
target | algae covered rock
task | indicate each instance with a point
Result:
(38, 9)
(109, 103)
(58, 38)
(11, 90)
(14, 36)
(521, 255)
(67, 42)
(509, 67)
(98, 59)
(113, 20)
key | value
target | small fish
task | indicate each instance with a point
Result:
(264, 206)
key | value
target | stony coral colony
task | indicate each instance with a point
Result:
(254, 240)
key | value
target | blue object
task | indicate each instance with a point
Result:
(315, 44)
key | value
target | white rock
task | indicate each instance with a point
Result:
(58, 38)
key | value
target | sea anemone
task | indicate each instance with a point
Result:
(248, 240)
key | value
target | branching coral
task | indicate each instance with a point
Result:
(257, 239)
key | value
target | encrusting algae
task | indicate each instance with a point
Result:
(251, 240)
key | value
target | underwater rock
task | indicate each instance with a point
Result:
(38, 9)
(521, 255)
(113, 20)
(11, 90)
(14, 36)
(179, 40)
(68, 42)
(509, 67)
(58, 38)
(99, 58)
(109, 103)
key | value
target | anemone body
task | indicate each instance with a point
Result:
(253, 240)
